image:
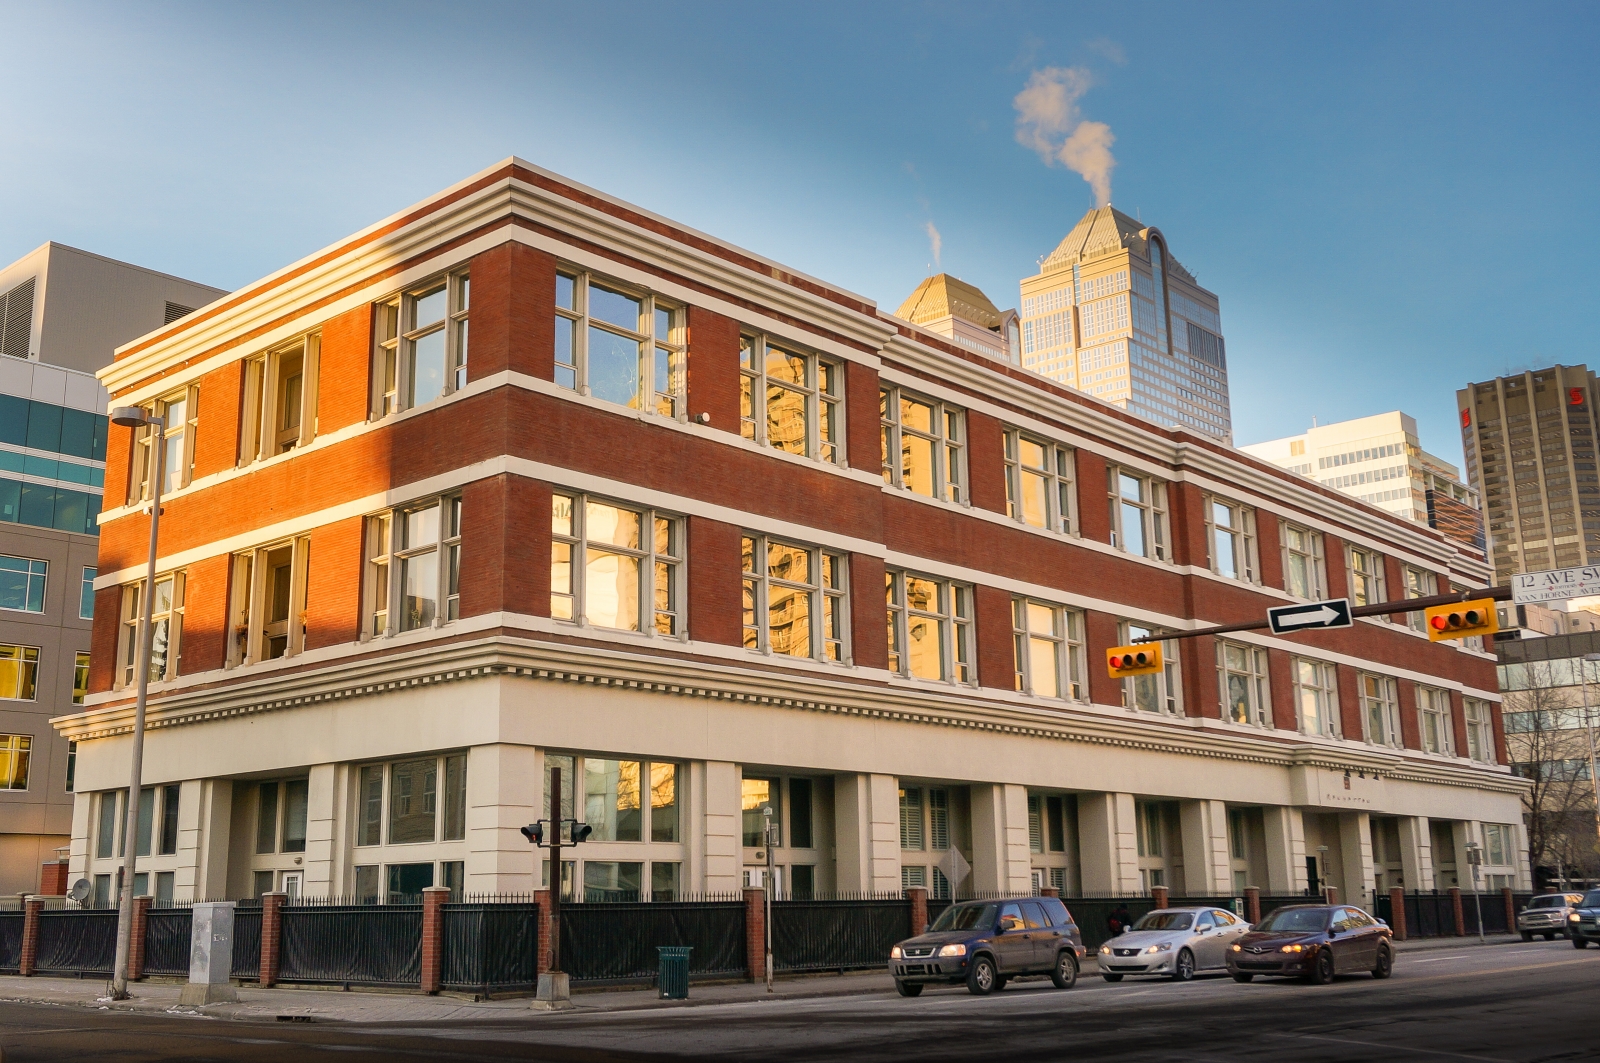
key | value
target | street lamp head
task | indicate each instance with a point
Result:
(133, 416)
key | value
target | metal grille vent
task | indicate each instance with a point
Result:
(174, 312)
(16, 319)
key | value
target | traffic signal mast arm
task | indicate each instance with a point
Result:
(1407, 605)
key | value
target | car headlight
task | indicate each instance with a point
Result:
(1573, 918)
(1238, 948)
(1105, 950)
(1165, 946)
(1293, 948)
(895, 953)
(953, 950)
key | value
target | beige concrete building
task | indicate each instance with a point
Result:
(1112, 313)
(961, 313)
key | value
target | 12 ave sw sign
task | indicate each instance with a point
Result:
(1555, 585)
(1313, 616)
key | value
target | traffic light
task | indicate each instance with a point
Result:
(534, 832)
(581, 832)
(1134, 660)
(1461, 620)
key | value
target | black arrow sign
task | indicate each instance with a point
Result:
(1313, 616)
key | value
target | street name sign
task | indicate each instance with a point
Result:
(1313, 616)
(1556, 584)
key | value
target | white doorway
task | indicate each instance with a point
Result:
(292, 881)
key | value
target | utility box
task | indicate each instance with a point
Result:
(672, 976)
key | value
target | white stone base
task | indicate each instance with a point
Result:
(553, 994)
(198, 993)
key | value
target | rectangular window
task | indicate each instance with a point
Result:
(165, 880)
(166, 628)
(1138, 514)
(72, 765)
(367, 884)
(280, 399)
(80, 679)
(147, 820)
(664, 803)
(911, 833)
(421, 339)
(22, 583)
(15, 753)
(1035, 824)
(1246, 697)
(1316, 696)
(1161, 692)
(1480, 731)
(296, 793)
(791, 400)
(1380, 709)
(106, 829)
(616, 567)
(1302, 562)
(756, 794)
(620, 344)
(663, 881)
(413, 794)
(262, 883)
(938, 818)
(1420, 583)
(1433, 712)
(794, 599)
(1039, 488)
(407, 881)
(180, 414)
(930, 628)
(1231, 538)
(1048, 649)
(267, 817)
(270, 585)
(611, 880)
(1498, 843)
(19, 672)
(1147, 815)
(799, 813)
(369, 830)
(923, 444)
(413, 559)
(1366, 576)
(454, 826)
(169, 820)
(86, 595)
(612, 800)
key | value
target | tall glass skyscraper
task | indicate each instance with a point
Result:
(1112, 313)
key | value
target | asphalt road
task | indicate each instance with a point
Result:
(1507, 1004)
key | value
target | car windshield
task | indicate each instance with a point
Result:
(966, 917)
(1295, 920)
(1556, 900)
(1164, 921)
(1590, 899)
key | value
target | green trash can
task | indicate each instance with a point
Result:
(672, 976)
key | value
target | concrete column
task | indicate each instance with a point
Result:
(721, 827)
(866, 813)
(210, 954)
(1108, 845)
(323, 820)
(433, 898)
(1416, 853)
(505, 792)
(78, 856)
(208, 839)
(1000, 838)
(1207, 863)
(1285, 831)
(1355, 848)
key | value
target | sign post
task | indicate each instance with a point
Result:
(1311, 616)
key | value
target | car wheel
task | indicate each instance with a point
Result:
(1550, 937)
(1242, 976)
(1183, 970)
(1108, 976)
(1528, 936)
(1385, 965)
(908, 989)
(1065, 974)
(1580, 943)
(981, 980)
(1321, 972)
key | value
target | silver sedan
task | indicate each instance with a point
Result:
(1173, 942)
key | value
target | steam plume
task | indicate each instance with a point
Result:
(1050, 123)
(935, 241)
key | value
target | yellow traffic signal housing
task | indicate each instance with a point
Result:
(1133, 660)
(1461, 620)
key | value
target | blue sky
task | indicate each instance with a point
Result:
(1389, 199)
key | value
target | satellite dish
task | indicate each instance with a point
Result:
(80, 890)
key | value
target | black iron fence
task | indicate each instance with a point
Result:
(617, 941)
(10, 941)
(375, 945)
(77, 942)
(489, 947)
(822, 935)
(166, 941)
(1432, 913)
(247, 944)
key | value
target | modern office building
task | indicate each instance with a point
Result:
(1379, 460)
(62, 313)
(1112, 313)
(962, 314)
(713, 536)
(1529, 444)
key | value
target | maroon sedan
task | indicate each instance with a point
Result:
(1314, 942)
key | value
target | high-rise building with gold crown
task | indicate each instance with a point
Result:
(1112, 313)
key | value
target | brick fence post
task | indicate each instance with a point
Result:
(1397, 912)
(1332, 893)
(271, 936)
(1252, 904)
(541, 961)
(31, 907)
(136, 938)
(918, 896)
(755, 933)
(53, 878)
(1511, 908)
(433, 898)
(1159, 893)
(1455, 910)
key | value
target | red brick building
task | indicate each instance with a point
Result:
(526, 476)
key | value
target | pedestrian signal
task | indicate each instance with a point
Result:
(1462, 620)
(1133, 660)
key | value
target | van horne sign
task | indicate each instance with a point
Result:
(1556, 584)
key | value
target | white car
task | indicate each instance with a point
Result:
(1177, 943)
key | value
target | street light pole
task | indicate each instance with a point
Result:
(1588, 727)
(138, 417)
(1475, 858)
(766, 836)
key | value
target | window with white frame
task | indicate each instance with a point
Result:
(19, 672)
(615, 566)
(1366, 575)
(1302, 562)
(1419, 583)
(1231, 539)
(930, 627)
(269, 601)
(1161, 692)
(791, 400)
(16, 751)
(1316, 696)
(166, 629)
(1048, 649)
(418, 799)
(619, 343)
(1480, 731)
(1380, 709)
(1499, 843)
(638, 803)
(280, 399)
(1039, 488)
(923, 445)
(794, 599)
(1138, 513)
(421, 344)
(22, 581)
(1242, 670)
(1433, 715)
(413, 563)
(80, 680)
(180, 416)
(86, 594)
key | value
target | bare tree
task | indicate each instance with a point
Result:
(1548, 746)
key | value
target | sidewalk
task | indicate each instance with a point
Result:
(1471, 941)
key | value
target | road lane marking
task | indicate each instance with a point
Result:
(1398, 1048)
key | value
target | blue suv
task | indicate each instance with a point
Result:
(985, 944)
